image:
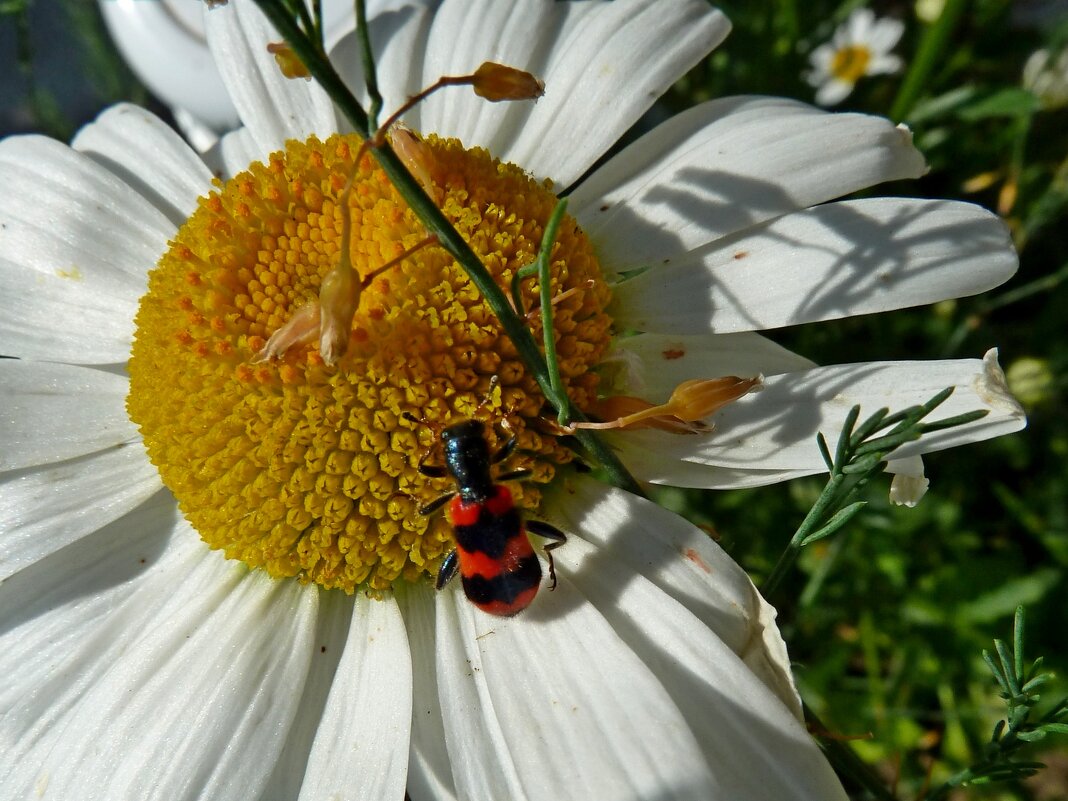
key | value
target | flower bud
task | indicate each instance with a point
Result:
(288, 61)
(684, 411)
(497, 82)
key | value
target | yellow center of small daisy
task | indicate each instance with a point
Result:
(309, 470)
(850, 63)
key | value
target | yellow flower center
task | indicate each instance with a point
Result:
(850, 63)
(311, 471)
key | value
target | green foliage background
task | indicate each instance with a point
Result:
(886, 619)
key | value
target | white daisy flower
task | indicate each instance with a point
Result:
(139, 663)
(860, 46)
(1046, 75)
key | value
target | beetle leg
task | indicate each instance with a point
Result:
(557, 538)
(447, 571)
(437, 503)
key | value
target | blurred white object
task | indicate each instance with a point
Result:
(860, 46)
(1046, 75)
(164, 43)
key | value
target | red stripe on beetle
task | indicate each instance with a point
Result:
(463, 513)
(502, 502)
(478, 563)
(505, 609)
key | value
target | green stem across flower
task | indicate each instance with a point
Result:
(438, 225)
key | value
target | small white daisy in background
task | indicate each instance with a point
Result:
(140, 664)
(860, 46)
(1045, 74)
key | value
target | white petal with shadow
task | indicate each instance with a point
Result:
(195, 665)
(518, 34)
(553, 704)
(647, 462)
(755, 746)
(58, 617)
(775, 428)
(399, 42)
(238, 150)
(655, 364)
(361, 748)
(77, 246)
(45, 508)
(332, 631)
(146, 153)
(54, 412)
(730, 164)
(683, 562)
(827, 262)
(595, 87)
(429, 767)
(272, 107)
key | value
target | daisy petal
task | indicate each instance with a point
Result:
(399, 42)
(273, 108)
(885, 65)
(776, 427)
(59, 619)
(859, 25)
(518, 34)
(655, 364)
(372, 688)
(834, 92)
(147, 154)
(52, 611)
(683, 562)
(909, 484)
(429, 768)
(238, 150)
(237, 641)
(755, 745)
(43, 509)
(590, 98)
(554, 700)
(884, 34)
(332, 631)
(821, 59)
(77, 245)
(836, 260)
(656, 467)
(58, 411)
(730, 164)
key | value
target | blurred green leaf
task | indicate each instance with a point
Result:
(1000, 602)
(1009, 102)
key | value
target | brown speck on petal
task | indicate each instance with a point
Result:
(695, 557)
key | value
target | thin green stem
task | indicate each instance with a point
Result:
(858, 456)
(544, 262)
(845, 761)
(807, 527)
(521, 275)
(515, 328)
(1039, 285)
(437, 224)
(317, 15)
(367, 57)
(932, 49)
(318, 65)
(299, 9)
